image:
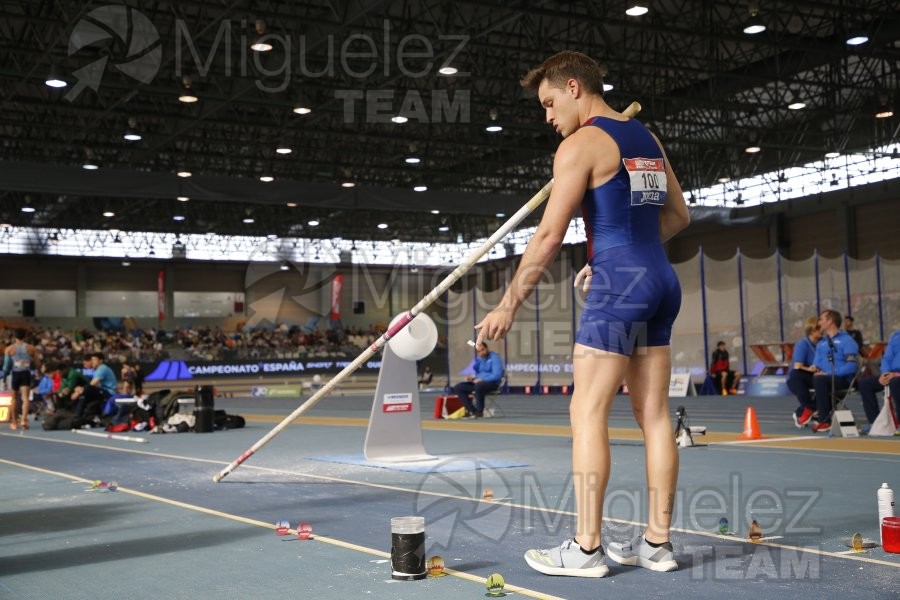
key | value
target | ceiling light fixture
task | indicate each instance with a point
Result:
(348, 184)
(302, 110)
(832, 154)
(266, 178)
(382, 226)
(754, 25)
(420, 188)
(313, 223)
(434, 211)
(248, 220)
(260, 44)
(753, 148)
(109, 214)
(131, 133)
(884, 110)
(413, 160)
(292, 205)
(448, 70)
(797, 105)
(90, 166)
(399, 119)
(184, 174)
(178, 218)
(444, 228)
(857, 38)
(493, 127)
(636, 10)
(283, 150)
(54, 80)
(187, 96)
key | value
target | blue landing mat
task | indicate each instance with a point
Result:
(440, 464)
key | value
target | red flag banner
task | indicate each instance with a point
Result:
(337, 284)
(161, 295)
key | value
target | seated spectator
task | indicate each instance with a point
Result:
(800, 375)
(854, 333)
(102, 385)
(42, 398)
(838, 348)
(127, 373)
(890, 377)
(72, 383)
(725, 379)
(426, 377)
(138, 382)
(488, 373)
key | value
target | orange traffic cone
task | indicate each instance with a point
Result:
(751, 426)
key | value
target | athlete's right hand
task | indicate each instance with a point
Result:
(495, 325)
(584, 274)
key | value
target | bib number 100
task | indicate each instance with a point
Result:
(651, 180)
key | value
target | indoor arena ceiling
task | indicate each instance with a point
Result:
(708, 89)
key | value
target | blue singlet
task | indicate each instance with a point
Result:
(635, 295)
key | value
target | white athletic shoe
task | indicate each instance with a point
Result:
(568, 559)
(639, 553)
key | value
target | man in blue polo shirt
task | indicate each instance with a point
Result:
(102, 386)
(488, 373)
(838, 347)
(890, 377)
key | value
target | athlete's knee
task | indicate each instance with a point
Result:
(586, 412)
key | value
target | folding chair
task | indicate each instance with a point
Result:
(841, 394)
(843, 423)
(492, 408)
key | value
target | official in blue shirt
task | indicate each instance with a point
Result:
(890, 376)
(838, 347)
(103, 385)
(488, 373)
(800, 376)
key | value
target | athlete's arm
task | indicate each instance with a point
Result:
(571, 171)
(35, 357)
(674, 215)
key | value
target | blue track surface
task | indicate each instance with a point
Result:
(813, 500)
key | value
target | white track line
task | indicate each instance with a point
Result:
(708, 534)
(766, 440)
(257, 523)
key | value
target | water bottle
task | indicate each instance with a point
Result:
(885, 505)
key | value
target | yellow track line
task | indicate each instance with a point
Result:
(823, 443)
(455, 497)
(257, 523)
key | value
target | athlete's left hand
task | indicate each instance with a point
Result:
(495, 325)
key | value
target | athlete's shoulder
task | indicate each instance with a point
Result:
(583, 144)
